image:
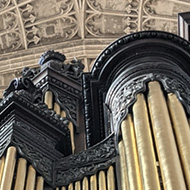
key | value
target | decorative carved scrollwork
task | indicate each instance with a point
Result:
(43, 164)
(39, 137)
(55, 60)
(85, 163)
(126, 95)
(69, 104)
(26, 88)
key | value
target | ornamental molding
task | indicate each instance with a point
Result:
(118, 104)
(131, 38)
(88, 162)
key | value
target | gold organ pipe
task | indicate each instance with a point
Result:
(93, 182)
(71, 129)
(70, 187)
(30, 183)
(2, 164)
(57, 108)
(63, 114)
(63, 188)
(102, 180)
(40, 183)
(182, 133)
(132, 164)
(145, 146)
(165, 143)
(123, 168)
(8, 169)
(21, 174)
(49, 99)
(111, 178)
(77, 185)
(85, 184)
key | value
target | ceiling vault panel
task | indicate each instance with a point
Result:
(77, 28)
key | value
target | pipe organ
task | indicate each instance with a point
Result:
(122, 126)
(154, 139)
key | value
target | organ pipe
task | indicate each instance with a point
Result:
(40, 183)
(123, 168)
(93, 182)
(21, 174)
(102, 180)
(48, 99)
(77, 185)
(9, 167)
(57, 108)
(85, 184)
(132, 163)
(2, 164)
(165, 143)
(145, 146)
(182, 133)
(111, 178)
(31, 178)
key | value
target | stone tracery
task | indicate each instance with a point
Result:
(26, 31)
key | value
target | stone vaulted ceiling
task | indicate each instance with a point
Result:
(77, 28)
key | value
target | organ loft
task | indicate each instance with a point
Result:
(122, 126)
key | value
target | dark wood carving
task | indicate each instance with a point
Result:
(39, 134)
(64, 80)
(85, 163)
(130, 57)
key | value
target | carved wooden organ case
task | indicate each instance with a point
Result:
(122, 126)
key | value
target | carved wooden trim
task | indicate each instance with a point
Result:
(184, 25)
(137, 54)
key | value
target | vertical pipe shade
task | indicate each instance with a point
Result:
(111, 178)
(93, 182)
(85, 184)
(2, 164)
(21, 174)
(133, 170)
(145, 146)
(77, 185)
(49, 99)
(30, 183)
(8, 169)
(165, 143)
(182, 133)
(40, 183)
(71, 129)
(123, 168)
(102, 180)
(57, 108)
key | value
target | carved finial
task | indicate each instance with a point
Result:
(29, 72)
(24, 87)
(51, 55)
(74, 69)
(55, 60)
